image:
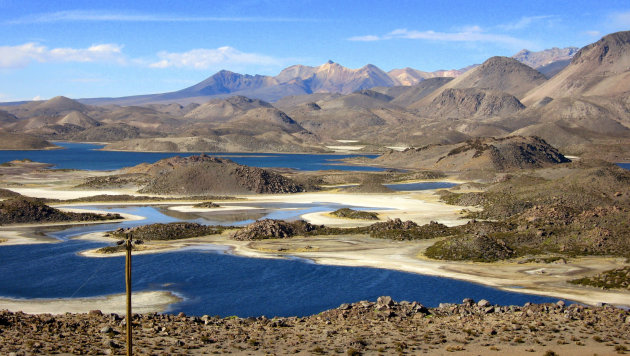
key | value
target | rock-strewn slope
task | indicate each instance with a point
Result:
(479, 154)
(210, 175)
(22, 210)
(472, 104)
(362, 328)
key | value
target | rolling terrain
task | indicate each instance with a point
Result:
(584, 109)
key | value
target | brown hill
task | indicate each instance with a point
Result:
(7, 118)
(79, 119)
(292, 101)
(405, 96)
(472, 103)
(106, 133)
(57, 106)
(601, 68)
(363, 115)
(497, 154)
(199, 175)
(217, 109)
(497, 73)
(15, 141)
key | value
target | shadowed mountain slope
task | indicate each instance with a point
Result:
(601, 68)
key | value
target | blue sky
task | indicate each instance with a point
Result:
(114, 48)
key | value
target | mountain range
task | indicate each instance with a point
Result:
(583, 109)
(329, 77)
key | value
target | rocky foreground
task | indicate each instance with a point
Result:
(383, 327)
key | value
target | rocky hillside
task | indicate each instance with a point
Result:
(579, 209)
(497, 73)
(24, 211)
(498, 154)
(199, 175)
(472, 104)
(384, 326)
(601, 68)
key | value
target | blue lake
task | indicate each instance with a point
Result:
(215, 283)
(210, 280)
(89, 157)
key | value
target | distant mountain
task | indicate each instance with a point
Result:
(545, 57)
(601, 68)
(295, 80)
(498, 74)
(409, 76)
(332, 77)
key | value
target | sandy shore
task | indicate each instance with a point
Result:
(420, 207)
(361, 251)
(26, 234)
(64, 194)
(142, 302)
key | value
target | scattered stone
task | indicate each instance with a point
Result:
(483, 303)
(385, 301)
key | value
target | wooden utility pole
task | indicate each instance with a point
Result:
(128, 285)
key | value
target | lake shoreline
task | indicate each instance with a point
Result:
(361, 251)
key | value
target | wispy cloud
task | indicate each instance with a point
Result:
(367, 38)
(106, 16)
(620, 20)
(208, 58)
(469, 34)
(593, 33)
(22, 55)
(524, 22)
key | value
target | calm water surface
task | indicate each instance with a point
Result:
(215, 283)
(87, 156)
(210, 280)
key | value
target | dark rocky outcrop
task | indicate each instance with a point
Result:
(273, 229)
(170, 231)
(23, 211)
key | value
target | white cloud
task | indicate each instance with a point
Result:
(22, 55)
(108, 16)
(469, 34)
(207, 58)
(524, 22)
(593, 33)
(368, 38)
(37, 98)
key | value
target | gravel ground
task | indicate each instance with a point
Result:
(384, 327)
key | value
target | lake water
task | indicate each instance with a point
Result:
(210, 280)
(89, 157)
(215, 283)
